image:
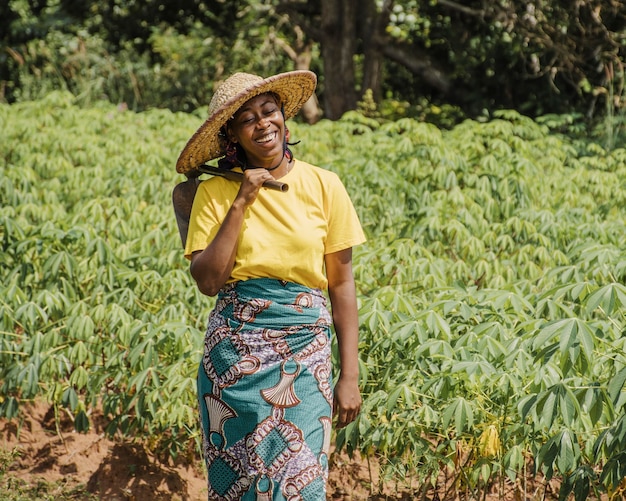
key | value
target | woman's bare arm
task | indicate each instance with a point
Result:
(342, 293)
(212, 266)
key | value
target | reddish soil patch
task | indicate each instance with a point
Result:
(115, 471)
(122, 470)
(126, 471)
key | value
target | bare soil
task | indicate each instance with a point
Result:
(50, 451)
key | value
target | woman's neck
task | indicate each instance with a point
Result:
(270, 169)
(281, 169)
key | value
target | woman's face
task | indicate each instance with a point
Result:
(259, 128)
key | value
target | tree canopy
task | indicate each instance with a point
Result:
(554, 56)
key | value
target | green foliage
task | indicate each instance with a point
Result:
(491, 287)
(491, 297)
(529, 56)
(141, 54)
(91, 274)
(6, 458)
(170, 54)
(14, 489)
(444, 116)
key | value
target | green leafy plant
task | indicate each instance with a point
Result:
(491, 289)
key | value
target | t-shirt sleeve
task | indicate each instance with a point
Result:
(207, 213)
(344, 227)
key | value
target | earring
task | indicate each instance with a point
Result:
(231, 149)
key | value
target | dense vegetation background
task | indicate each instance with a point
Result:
(491, 288)
(474, 57)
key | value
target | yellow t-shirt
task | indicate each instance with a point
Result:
(285, 235)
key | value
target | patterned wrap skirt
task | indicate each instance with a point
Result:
(265, 393)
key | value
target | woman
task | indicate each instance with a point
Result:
(264, 383)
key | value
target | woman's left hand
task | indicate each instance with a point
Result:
(347, 403)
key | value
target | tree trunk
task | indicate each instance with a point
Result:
(338, 47)
(418, 63)
(373, 27)
(301, 53)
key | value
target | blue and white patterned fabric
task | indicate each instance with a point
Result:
(265, 393)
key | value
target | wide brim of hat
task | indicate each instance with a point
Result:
(294, 89)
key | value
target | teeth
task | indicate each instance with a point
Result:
(267, 138)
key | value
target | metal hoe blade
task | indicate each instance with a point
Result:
(182, 199)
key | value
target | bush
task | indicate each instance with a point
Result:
(490, 289)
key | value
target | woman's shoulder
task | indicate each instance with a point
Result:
(321, 173)
(217, 188)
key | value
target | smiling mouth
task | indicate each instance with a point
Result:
(266, 138)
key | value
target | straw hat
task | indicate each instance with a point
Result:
(293, 87)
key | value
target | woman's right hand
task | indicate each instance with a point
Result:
(211, 267)
(253, 180)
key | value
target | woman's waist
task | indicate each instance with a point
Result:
(279, 291)
(272, 302)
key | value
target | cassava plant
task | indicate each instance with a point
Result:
(491, 289)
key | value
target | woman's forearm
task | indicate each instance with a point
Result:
(342, 293)
(345, 320)
(212, 267)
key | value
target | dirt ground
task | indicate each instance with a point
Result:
(125, 471)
